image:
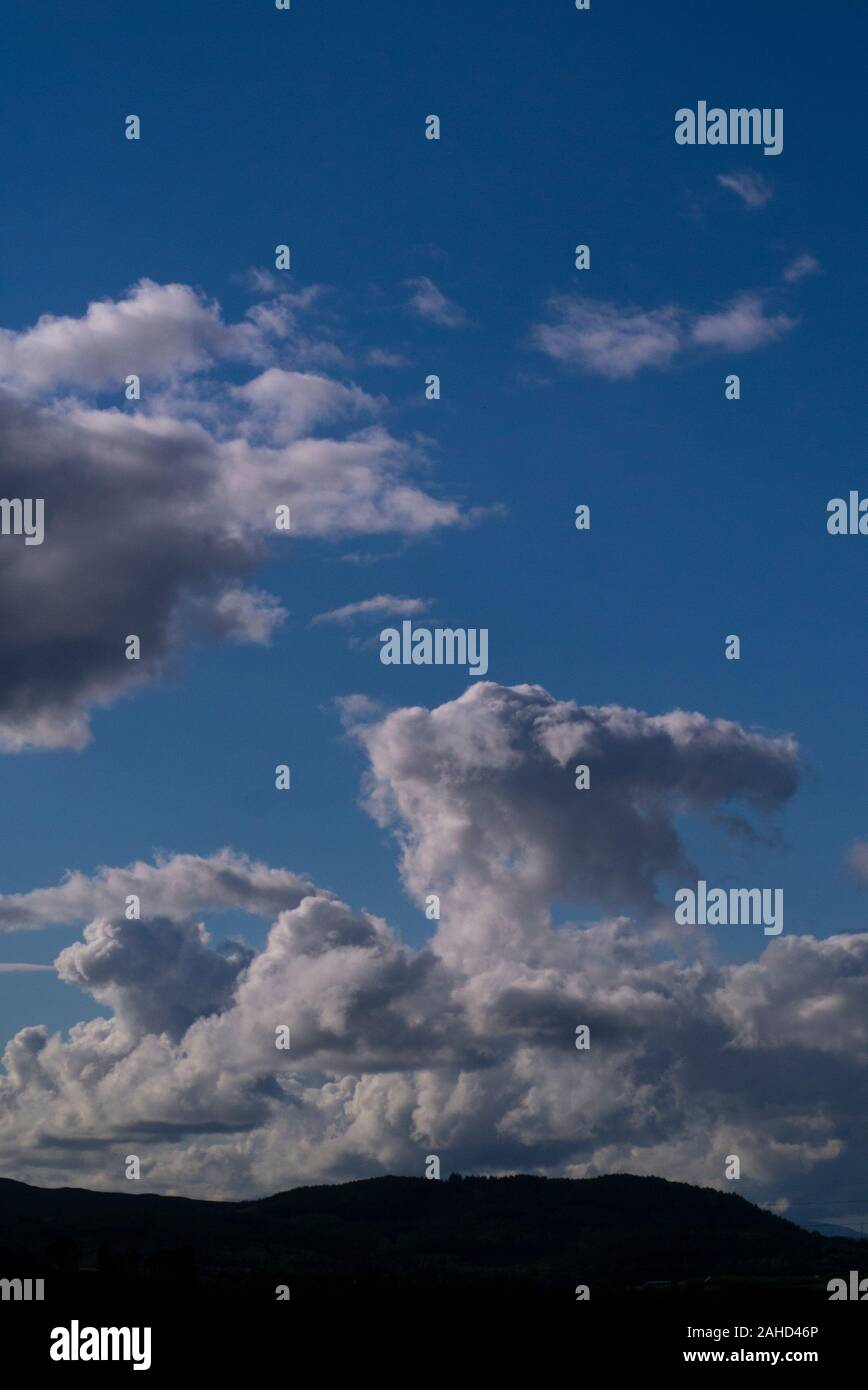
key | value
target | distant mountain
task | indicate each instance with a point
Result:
(522, 1237)
(829, 1228)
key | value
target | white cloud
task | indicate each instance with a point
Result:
(464, 1046)
(428, 302)
(806, 994)
(248, 616)
(618, 342)
(612, 342)
(381, 357)
(753, 190)
(800, 268)
(289, 405)
(483, 793)
(176, 887)
(381, 603)
(741, 326)
(261, 280)
(157, 331)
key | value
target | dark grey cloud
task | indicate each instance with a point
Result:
(159, 515)
(157, 976)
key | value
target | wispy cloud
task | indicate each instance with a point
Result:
(428, 302)
(381, 603)
(22, 967)
(753, 189)
(381, 357)
(859, 860)
(801, 268)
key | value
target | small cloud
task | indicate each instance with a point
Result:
(859, 860)
(801, 268)
(355, 710)
(431, 249)
(379, 357)
(740, 327)
(753, 189)
(428, 302)
(369, 557)
(602, 338)
(619, 342)
(780, 1206)
(248, 616)
(261, 281)
(381, 603)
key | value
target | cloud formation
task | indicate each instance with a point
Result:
(175, 497)
(176, 886)
(607, 340)
(465, 1046)
(155, 332)
(482, 791)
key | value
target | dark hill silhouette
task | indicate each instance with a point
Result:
(395, 1237)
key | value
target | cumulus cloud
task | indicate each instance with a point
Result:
(482, 790)
(248, 616)
(289, 405)
(807, 994)
(429, 302)
(741, 326)
(463, 1046)
(176, 499)
(156, 331)
(753, 190)
(176, 886)
(157, 976)
(614, 342)
(607, 340)
(380, 603)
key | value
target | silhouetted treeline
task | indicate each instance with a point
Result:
(522, 1237)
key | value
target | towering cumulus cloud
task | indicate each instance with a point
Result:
(482, 795)
(464, 1047)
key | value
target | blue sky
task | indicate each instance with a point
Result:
(708, 516)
